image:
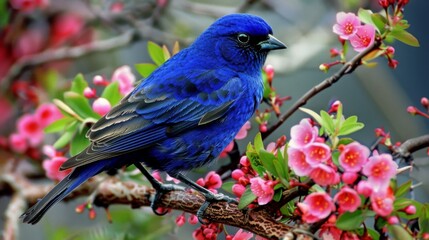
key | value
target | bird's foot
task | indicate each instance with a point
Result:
(162, 189)
(212, 198)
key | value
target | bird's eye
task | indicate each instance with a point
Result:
(243, 38)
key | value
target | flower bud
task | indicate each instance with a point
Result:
(410, 210)
(392, 220)
(101, 106)
(412, 110)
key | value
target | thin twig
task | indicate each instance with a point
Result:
(65, 53)
(347, 68)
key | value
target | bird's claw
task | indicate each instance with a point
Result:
(160, 190)
(211, 198)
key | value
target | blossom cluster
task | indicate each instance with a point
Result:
(355, 174)
(349, 27)
(29, 133)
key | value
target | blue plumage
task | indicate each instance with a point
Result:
(185, 113)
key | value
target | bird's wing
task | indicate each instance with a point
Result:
(155, 112)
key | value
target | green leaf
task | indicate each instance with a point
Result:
(247, 198)
(166, 53)
(80, 105)
(145, 69)
(365, 16)
(4, 13)
(403, 189)
(398, 232)
(327, 122)
(379, 22)
(155, 53)
(347, 129)
(58, 125)
(79, 142)
(267, 159)
(254, 160)
(112, 94)
(350, 220)
(227, 186)
(405, 37)
(259, 145)
(67, 136)
(277, 195)
(313, 114)
(79, 84)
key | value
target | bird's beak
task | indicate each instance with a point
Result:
(271, 43)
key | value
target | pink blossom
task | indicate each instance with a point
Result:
(410, 209)
(364, 188)
(238, 189)
(244, 161)
(30, 128)
(316, 206)
(99, 81)
(28, 43)
(302, 134)
(353, 156)
(237, 174)
(363, 38)
(262, 189)
(52, 168)
(226, 150)
(241, 235)
(28, 5)
(382, 202)
(212, 181)
(324, 175)
(157, 175)
(170, 178)
(379, 170)
(329, 231)
(180, 220)
(317, 153)
(349, 177)
(192, 219)
(101, 106)
(348, 199)
(347, 24)
(64, 27)
(392, 220)
(50, 151)
(126, 79)
(89, 92)
(243, 131)
(18, 143)
(297, 162)
(47, 113)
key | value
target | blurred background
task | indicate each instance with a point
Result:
(379, 96)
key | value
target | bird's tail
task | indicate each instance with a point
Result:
(60, 191)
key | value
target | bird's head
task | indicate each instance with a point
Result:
(243, 40)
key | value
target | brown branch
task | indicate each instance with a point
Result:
(113, 191)
(412, 145)
(347, 68)
(65, 53)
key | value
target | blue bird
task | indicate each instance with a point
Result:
(182, 116)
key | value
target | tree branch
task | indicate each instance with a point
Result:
(65, 53)
(412, 145)
(347, 68)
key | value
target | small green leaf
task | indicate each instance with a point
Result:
(405, 37)
(79, 84)
(398, 232)
(80, 105)
(79, 141)
(166, 53)
(379, 22)
(112, 94)
(313, 114)
(345, 141)
(227, 186)
(145, 69)
(58, 125)
(259, 145)
(65, 138)
(155, 53)
(365, 16)
(347, 129)
(247, 198)
(65, 109)
(403, 189)
(327, 122)
(255, 161)
(4, 13)
(350, 220)
(277, 195)
(267, 161)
